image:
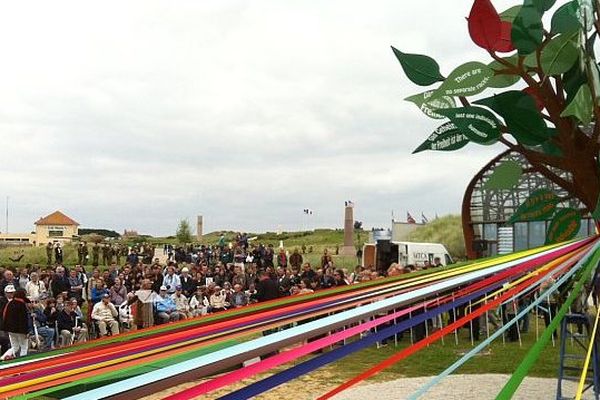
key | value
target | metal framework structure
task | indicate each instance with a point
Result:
(484, 211)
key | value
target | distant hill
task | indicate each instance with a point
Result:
(102, 232)
(446, 230)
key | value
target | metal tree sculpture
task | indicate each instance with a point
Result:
(549, 116)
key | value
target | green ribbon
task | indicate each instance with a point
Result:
(71, 388)
(520, 373)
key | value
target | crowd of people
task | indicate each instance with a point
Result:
(43, 307)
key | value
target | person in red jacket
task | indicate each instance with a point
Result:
(15, 322)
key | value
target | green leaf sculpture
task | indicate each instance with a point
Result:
(560, 54)
(429, 104)
(596, 213)
(505, 176)
(446, 137)
(548, 147)
(573, 79)
(541, 5)
(466, 80)
(502, 80)
(564, 226)
(510, 14)
(420, 69)
(476, 123)
(540, 205)
(527, 31)
(582, 106)
(565, 18)
(521, 115)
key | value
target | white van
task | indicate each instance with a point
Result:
(384, 253)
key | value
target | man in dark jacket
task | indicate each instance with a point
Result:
(60, 282)
(266, 288)
(70, 328)
(15, 321)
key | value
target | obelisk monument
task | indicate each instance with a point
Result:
(199, 228)
(348, 248)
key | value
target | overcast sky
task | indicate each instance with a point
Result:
(138, 114)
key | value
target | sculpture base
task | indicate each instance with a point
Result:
(348, 251)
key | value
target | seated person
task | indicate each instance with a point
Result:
(199, 303)
(166, 310)
(125, 314)
(181, 303)
(218, 300)
(70, 326)
(105, 314)
(40, 322)
(238, 297)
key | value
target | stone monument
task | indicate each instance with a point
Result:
(348, 247)
(199, 227)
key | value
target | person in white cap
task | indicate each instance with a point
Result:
(6, 350)
(105, 314)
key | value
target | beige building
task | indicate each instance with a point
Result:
(56, 227)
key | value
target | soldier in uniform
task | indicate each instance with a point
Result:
(106, 256)
(95, 254)
(80, 253)
(49, 250)
(85, 253)
(118, 250)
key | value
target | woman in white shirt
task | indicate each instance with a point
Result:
(35, 287)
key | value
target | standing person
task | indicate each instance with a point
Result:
(325, 259)
(266, 289)
(144, 315)
(49, 250)
(80, 253)
(58, 254)
(95, 254)
(106, 259)
(15, 318)
(282, 258)
(8, 293)
(296, 260)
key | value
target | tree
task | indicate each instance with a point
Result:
(548, 115)
(184, 232)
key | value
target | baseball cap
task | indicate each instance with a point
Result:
(178, 287)
(185, 269)
(105, 295)
(9, 289)
(163, 288)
